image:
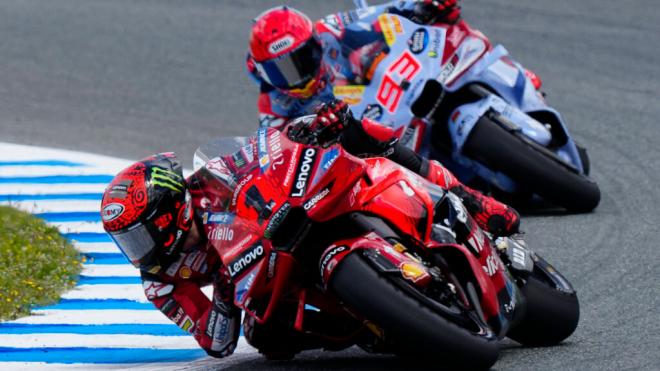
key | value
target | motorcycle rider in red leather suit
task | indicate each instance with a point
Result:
(156, 218)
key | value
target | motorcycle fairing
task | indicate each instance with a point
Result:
(519, 102)
(383, 254)
(456, 56)
(262, 270)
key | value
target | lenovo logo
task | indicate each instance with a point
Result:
(246, 260)
(304, 170)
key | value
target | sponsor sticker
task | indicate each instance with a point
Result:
(387, 28)
(154, 289)
(239, 188)
(412, 271)
(328, 256)
(244, 286)
(264, 160)
(448, 68)
(213, 315)
(112, 211)
(187, 325)
(281, 44)
(492, 265)
(120, 190)
(218, 218)
(418, 41)
(276, 220)
(314, 200)
(292, 166)
(245, 260)
(248, 152)
(272, 261)
(351, 94)
(165, 178)
(303, 172)
(275, 146)
(373, 112)
(329, 158)
(221, 233)
(185, 272)
(436, 44)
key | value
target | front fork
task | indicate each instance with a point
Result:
(523, 262)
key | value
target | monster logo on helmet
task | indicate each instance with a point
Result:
(166, 178)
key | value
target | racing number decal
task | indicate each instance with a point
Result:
(405, 68)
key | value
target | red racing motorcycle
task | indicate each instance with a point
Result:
(348, 251)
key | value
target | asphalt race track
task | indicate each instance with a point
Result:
(128, 78)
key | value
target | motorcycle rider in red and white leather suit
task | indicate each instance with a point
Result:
(156, 218)
(297, 63)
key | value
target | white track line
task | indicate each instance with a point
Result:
(19, 152)
(102, 247)
(127, 291)
(55, 206)
(110, 270)
(78, 227)
(94, 317)
(27, 171)
(30, 189)
(95, 341)
(207, 363)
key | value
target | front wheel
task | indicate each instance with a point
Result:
(530, 165)
(550, 315)
(416, 328)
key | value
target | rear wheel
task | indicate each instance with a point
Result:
(550, 315)
(416, 327)
(532, 166)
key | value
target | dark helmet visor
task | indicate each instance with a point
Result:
(136, 243)
(294, 69)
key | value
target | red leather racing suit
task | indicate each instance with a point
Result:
(176, 291)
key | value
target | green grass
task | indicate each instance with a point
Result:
(36, 263)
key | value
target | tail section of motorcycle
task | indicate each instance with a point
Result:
(518, 153)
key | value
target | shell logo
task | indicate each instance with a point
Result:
(413, 271)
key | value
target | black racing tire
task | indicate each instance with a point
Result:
(532, 166)
(417, 330)
(550, 315)
(584, 157)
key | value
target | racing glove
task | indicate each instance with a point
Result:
(436, 11)
(331, 120)
(335, 122)
(218, 329)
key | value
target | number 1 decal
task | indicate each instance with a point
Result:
(405, 68)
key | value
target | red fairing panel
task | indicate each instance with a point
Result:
(336, 252)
